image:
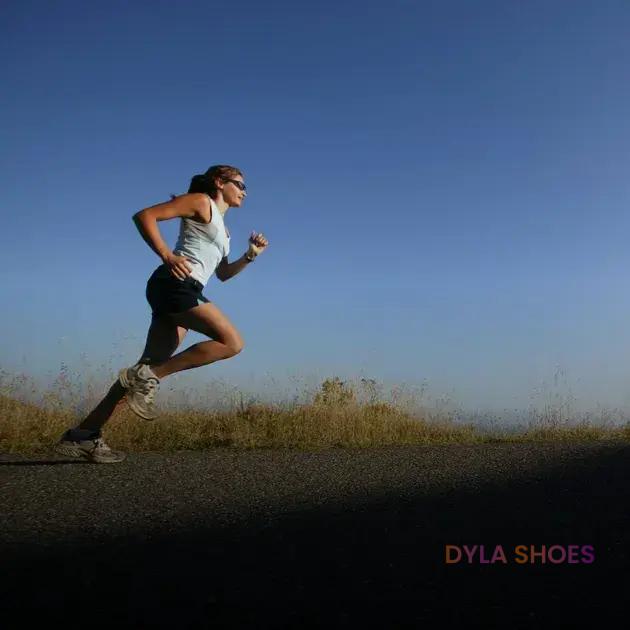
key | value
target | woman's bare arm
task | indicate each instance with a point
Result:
(193, 205)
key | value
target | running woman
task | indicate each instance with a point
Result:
(174, 292)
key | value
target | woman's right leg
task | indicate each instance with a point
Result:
(163, 339)
(208, 320)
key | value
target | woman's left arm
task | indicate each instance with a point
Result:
(257, 245)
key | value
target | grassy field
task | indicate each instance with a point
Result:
(336, 416)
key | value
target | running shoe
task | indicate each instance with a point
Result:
(94, 449)
(142, 386)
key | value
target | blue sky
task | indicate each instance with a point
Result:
(443, 185)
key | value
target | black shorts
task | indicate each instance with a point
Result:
(167, 294)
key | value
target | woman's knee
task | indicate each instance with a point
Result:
(234, 344)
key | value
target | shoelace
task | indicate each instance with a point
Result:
(150, 389)
(99, 444)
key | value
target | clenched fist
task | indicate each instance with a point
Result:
(257, 244)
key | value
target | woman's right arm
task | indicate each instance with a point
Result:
(147, 226)
(188, 206)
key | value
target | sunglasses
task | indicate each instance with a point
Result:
(237, 183)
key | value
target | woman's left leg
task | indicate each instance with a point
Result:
(163, 339)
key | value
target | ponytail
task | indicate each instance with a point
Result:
(200, 183)
(205, 183)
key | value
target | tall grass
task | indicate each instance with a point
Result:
(336, 414)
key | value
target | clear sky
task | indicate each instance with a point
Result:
(444, 186)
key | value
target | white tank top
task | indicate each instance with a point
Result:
(204, 244)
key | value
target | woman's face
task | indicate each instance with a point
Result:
(232, 194)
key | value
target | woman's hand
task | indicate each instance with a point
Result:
(179, 266)
(257, 244)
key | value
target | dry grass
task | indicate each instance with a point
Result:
(334, 417)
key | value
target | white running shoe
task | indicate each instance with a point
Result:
(142, 386)
(93, 449)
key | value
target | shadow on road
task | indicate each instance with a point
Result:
(377, 561)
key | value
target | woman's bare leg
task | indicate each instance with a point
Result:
(163, 339)
(104, 410)
(208, 320)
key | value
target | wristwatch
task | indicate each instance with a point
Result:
(249, 259)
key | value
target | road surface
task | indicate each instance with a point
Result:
(336, 538)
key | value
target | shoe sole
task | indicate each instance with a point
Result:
(75, 451)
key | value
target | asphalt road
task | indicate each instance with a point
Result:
(338, 538)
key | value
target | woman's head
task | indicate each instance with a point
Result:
(218, 179)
